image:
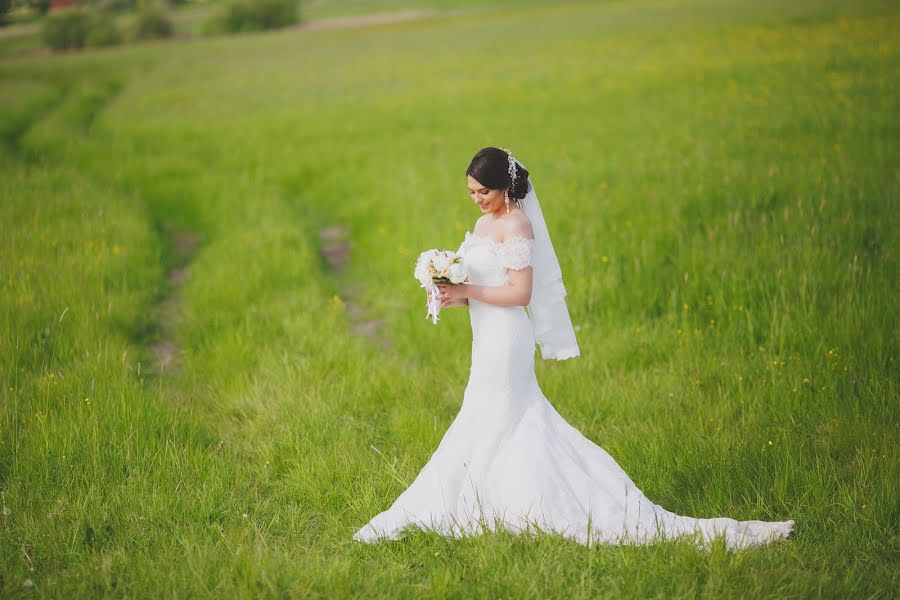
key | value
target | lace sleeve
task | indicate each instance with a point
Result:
(517, 252)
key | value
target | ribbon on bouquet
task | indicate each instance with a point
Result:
(433, 300)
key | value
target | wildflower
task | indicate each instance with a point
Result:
(604, 258)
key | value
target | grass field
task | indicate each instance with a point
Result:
(721, 183)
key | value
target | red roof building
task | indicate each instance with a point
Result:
(59, 4)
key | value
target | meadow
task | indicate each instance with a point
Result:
(720, 179)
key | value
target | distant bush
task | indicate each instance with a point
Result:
(5, 6)
(76, 28)
(151, 22)
(68, 29)
(103, 31)
(115, 5)
(253, 15)
(40, 7)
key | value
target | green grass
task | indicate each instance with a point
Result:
(721, 184)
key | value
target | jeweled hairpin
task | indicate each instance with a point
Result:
(511, 168)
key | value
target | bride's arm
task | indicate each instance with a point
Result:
(516, 292)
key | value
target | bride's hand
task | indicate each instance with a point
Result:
(452, 291)
(449, 302)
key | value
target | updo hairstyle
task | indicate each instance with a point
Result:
(490, 167)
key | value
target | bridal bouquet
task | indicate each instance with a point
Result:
(438, 265)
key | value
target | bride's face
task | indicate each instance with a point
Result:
(487, 199)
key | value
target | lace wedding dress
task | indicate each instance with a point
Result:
(510, 460)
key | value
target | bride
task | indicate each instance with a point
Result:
(509, 460)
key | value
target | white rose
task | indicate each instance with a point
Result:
(457, 273)
(440, 262)
(421, 271)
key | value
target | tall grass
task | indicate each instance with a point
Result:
(720, 180)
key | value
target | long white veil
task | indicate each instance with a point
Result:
(549, 314)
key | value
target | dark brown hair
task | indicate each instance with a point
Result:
(490, 167)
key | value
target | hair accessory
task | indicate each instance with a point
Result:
(511, 168)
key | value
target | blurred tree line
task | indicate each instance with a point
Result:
(75, 24)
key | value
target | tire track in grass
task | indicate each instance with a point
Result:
(164, 350)
(354, 21)
(75, 108)
(335, 249)
(17, 120)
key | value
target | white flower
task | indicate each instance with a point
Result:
(440, 262)
(421, 273)
(457, 273)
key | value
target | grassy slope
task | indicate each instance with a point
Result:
(719, 180)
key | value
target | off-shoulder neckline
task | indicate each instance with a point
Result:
(495, 242)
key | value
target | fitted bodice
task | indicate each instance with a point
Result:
(499, 331)
(488, 261)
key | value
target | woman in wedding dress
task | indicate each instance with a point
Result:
(509, 460)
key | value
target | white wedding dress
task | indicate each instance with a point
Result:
(510, 460)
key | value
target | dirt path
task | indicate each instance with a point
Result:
(164, 351)
(335, 248)
(367, 20)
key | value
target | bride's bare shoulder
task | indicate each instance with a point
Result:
(518, 225)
